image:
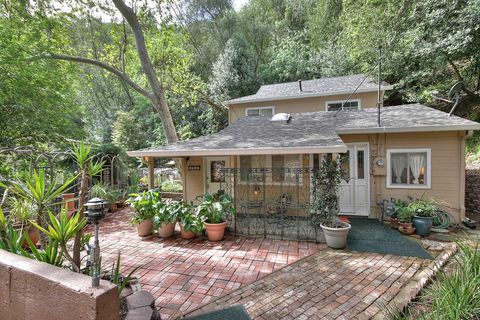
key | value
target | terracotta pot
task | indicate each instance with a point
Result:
(394, 222)
(336, 238)
(32, 232)
(406, 228)
(186, 234)
(166, 230)
(144, 228)
(215, 231)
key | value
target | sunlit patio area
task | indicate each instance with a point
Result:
(185, 274)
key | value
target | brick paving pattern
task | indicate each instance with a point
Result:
(327, 285)
(185, 274)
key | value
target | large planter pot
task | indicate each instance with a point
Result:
(423, 225)
(336, 238)
(144, 228)
(215, 231)
(186, 234)
(166, 229)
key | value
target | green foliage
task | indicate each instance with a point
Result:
(422, 208)
(405, 214)
(21, 209)
(10, 239)
(456, 295)
(213, 208)
(146, 205)
(168, 212)
(50, 254)
(169, 186)
(189, 219)
(117, 277)
(63, 228)
(325, 183)
(100, 190)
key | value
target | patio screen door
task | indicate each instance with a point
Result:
(354, 194)
(214, 176)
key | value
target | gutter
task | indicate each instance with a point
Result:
(304, 95)
(237, 151)
(468, 127)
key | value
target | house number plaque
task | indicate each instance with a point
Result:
(193, 168)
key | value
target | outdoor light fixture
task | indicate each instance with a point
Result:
(256, 190)
(96, 209)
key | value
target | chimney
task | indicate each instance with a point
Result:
(300, 85)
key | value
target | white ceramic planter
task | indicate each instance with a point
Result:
(166, 230)
(336, 237)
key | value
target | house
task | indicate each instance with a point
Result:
(264, 158)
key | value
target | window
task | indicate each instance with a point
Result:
(252, 165)
(409, 168)
(347, 106)
(260, 111)
(277, 168)
(283, 168)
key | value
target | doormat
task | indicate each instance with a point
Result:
(371, 235)
(236, 312)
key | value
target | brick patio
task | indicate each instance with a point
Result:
(327, 285)
(185, 274)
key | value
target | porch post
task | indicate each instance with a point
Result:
(151, 173)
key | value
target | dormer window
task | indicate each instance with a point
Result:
(260, 111)
(347, 105)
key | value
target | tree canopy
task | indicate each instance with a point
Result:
(203, 52)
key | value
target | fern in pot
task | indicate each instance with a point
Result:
(146, 205)
(213, 210)
(324, 204)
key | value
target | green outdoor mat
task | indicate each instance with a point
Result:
(236, 312)
(370, 235)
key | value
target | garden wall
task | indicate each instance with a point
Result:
(472, 191)
(30, 289)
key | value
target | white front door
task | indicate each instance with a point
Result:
(214, 176)
(354, 194)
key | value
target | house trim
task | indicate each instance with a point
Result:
(304, 95)
(409, 129)
(232, 152)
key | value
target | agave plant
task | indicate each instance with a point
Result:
(50, 254)
(61, 230)
(10, 239)
(117, 278)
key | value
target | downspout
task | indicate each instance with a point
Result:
(465, 136)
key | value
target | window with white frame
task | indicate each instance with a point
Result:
(260, 111)
(409, 168)
(283, 168)
(343, 105)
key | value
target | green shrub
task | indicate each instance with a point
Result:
(422, 208)
(146, 205)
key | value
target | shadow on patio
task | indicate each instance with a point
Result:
(185, 274)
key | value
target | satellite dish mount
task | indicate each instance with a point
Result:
(454, 95)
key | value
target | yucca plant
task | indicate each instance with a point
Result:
(50, 254)
(35, 189)
(61, 230)
(88, 167)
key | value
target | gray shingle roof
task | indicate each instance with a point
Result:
(315, 87)
(310, 132)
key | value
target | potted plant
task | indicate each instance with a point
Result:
(423, 214)
(22, 211)
(405, 225)
(212, 209)
(397, 205)
(325, 208)
(190, 222)
(145, 205)
(166, 218)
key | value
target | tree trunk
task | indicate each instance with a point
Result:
(82, 199)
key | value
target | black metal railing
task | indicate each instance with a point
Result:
(271, 202)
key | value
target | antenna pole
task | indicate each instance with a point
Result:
(379, 102)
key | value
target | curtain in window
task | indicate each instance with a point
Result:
(399, 163)
(417, 161)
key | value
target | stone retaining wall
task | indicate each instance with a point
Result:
(472, 191)
(33, 290)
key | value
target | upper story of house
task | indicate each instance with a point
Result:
(325, 94)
